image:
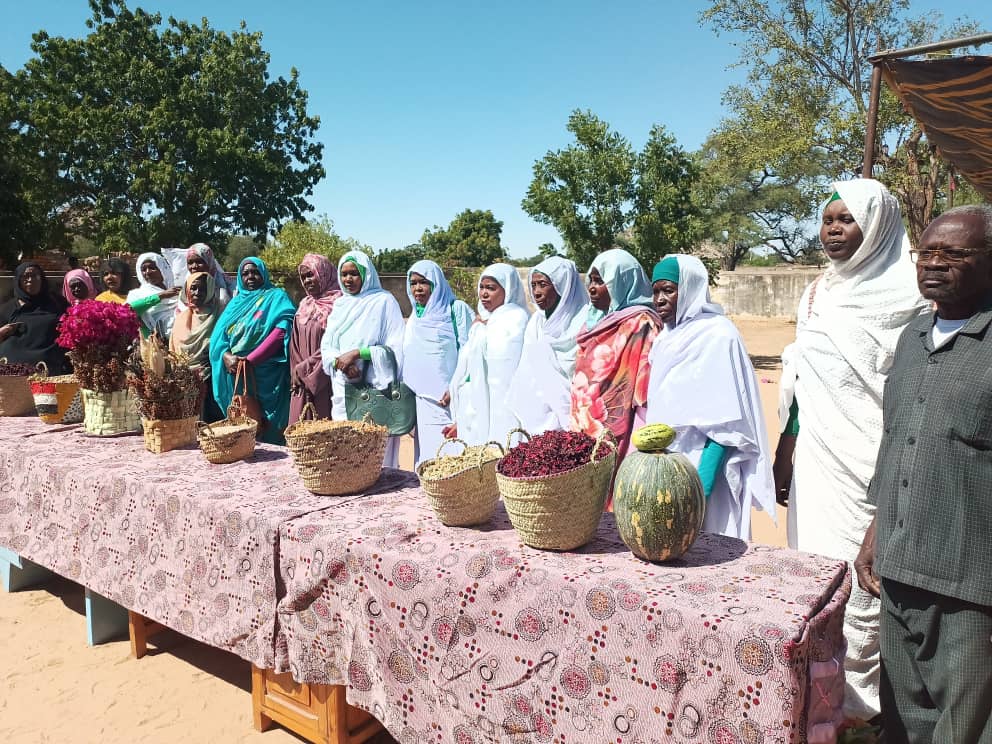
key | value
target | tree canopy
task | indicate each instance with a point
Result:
(152, 133)
(471, 239)
(598, 188)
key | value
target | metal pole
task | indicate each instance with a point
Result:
(940, 46)
(876, 88)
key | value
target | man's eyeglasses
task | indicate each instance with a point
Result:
(947, 255)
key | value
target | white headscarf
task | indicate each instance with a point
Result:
(509, 280)
(540, 394)
(703, 384)
(371, 318)
(159, 317)
(431, 341)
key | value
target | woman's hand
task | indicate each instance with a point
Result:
(348, 363)
(782, 467)
(7, 331)
(445, 399)
(231, 362)
(169, 293)
(450, 432)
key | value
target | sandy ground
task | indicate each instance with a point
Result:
(54, 688)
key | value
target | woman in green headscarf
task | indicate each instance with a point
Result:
(610, 384)
(255, 328)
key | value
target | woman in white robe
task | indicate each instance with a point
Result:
(365, 321)
(156, 297)
(541, 392)
(703, 385)
(849, 320)
(437, 329)
(489, 360)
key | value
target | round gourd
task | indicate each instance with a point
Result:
(658, 503)
(653, 437)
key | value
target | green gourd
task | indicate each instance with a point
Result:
(658, 499)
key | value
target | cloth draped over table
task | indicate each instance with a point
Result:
(612, 368)
(430, 354)
(194, 326)
(162, 315)
(314, 386)
(488, 362)
(78, 275)
(703, 384)
(246, 322)
(540, 394)
(40, 315)
(848, 323)
(372, 319)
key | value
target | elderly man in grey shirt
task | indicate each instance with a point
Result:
(928, 552)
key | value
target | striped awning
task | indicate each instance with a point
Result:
(952, 100)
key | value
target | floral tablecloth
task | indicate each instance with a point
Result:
(467, 636)
(188, 544)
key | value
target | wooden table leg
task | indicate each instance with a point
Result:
(139, 630)
(318, 713)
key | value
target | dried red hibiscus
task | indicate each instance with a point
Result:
(548, 454)
(16, 370)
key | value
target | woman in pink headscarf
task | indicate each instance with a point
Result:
(78, 286)
(308, 382)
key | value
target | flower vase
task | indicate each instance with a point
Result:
(108, 414)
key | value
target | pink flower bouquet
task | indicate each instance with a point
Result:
(99, 336)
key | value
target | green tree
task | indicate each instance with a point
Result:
(598, 192)
(399, 260)
(166, 133)
(806, 96)
(472, 239)
(296, 239)
(238, 248)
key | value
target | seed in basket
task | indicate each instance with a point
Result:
(448, 465)
(16, 370)
(550, 453)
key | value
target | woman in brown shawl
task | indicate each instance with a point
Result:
(192, 329)
(309, 384)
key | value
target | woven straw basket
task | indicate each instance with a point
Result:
(469, 496)
(162, 435)
(57, 399)
(109, 414)
(229, 440)
(336, 457)
(15, 394)
(560, 511)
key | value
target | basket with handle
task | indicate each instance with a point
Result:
(230, 439)
(335, 458)
(57, 398)
(462, 490)
(15, 390)
(560, 511)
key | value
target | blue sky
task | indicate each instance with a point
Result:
(429, 107)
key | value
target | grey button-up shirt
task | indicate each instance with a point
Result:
(933, 476)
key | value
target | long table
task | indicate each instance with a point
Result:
(466, 635)
(443, 634)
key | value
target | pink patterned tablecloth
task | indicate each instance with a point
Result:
(183, 542)
(467, 636)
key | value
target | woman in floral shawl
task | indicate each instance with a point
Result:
(254, 328)
(309, 383)
(612, 370)
(193, 328)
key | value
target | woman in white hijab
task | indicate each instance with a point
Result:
(156, 297)
(703, 384)
(540, 394)
(488, 361)
(437, 329)
(364, 322)
(849, 320)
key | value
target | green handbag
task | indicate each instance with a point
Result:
(395, 407)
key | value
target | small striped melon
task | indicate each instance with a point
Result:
(658, 503)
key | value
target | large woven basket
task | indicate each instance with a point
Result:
(15, 394)
(229, 440)
(560, 511)
(109, 414)
(57, 399)
(162, 435)
(468, 496)
(336, 457)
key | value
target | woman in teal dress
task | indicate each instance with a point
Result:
(255, 328)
